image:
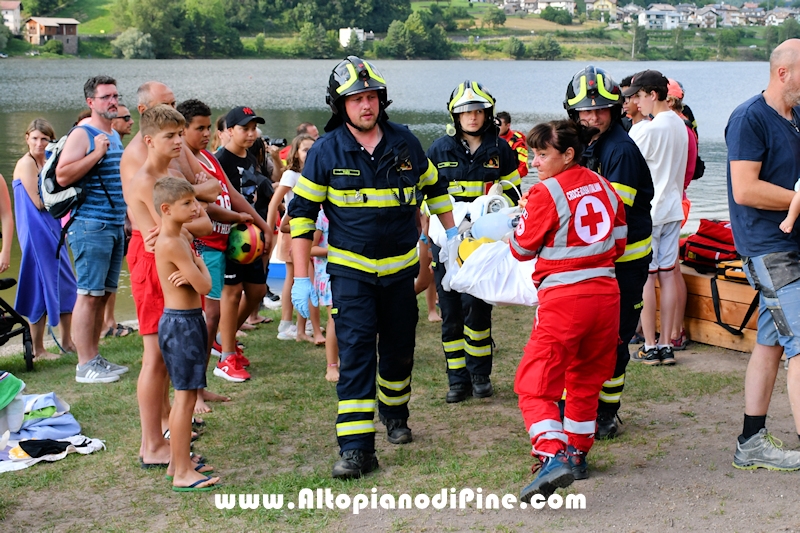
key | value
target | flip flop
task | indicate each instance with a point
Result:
(127, 329)
(261, 320)
(151, 466)
(196, 469)
(198, 422)
(118, 331)
(194, 486)
(194, 437)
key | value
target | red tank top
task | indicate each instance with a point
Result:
(219, 239)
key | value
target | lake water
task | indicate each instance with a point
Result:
(287, 92)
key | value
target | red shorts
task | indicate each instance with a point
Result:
(145, 286)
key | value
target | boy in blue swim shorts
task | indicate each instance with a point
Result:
(182, 334)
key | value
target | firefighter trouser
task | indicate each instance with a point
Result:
(572, 344)
(466, 331)
(368, 317)
(631, 279)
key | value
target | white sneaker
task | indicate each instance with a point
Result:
(309, 329)
(287, 334)
(94, 371)
(269, 304)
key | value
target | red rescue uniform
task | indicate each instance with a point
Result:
(516, 140)
(574, 225)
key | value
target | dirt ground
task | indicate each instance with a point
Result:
(676, 476)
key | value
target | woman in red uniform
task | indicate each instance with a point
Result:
(574, 226)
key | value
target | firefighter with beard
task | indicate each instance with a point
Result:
(594, 98)
(366, 172)
(470, 159)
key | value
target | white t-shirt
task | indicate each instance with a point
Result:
(665, 146)
(289, 178)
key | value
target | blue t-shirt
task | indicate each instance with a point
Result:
(756, 132)
(97, 206)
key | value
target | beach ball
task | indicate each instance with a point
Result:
(245, 243)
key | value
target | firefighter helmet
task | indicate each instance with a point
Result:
(353, 75)
(593, 88)
(470, 96)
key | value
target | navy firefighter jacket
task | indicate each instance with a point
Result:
(467, 174)
(370, 201)
(617, 158)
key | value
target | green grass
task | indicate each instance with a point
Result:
(476, 10)
(94, 16)
(277, 436)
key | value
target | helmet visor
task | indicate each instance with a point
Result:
(471, 106)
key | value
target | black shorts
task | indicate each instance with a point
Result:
(183, 339)
(236, 273)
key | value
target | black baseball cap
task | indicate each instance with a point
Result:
(646, 78)
(242, 116)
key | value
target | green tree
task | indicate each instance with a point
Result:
(53, 46)
(701, 53)
(559, 16)
(677, 52)
(640, 44)
(5, 35)
(133, 44)
(160, 18)
(494, 17)
(354, 46)
(204, 31)
(416, 36)
(772, 37)
(40, 7)
(315, 42)
(396, 41)
(726, 39)
(514, 48)
(260, 43)
(790, 29)
(545, 47)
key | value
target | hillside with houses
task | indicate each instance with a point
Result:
(517, 29)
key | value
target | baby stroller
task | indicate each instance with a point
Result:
(12, 324)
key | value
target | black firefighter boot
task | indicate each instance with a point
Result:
(354, 464)
(397, 430)
(458, 392)
(481, 386)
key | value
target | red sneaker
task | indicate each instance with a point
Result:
(231, 370)
(243, 361)
(216, 350)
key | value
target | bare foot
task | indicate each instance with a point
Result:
(46, 356)
(332, 374)
(205, 469)
(303, 337)
(433, 316)
(247, 327)
(190, 480)
(200, 406)
(319, 340)
(213, 397)
(69, 347)
(240, 334)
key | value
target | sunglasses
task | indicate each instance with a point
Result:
(126, 118)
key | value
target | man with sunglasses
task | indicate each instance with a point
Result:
(91, 156)
(366, 172)
(470, 159)
(123, 123)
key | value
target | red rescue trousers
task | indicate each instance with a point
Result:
(574, 345)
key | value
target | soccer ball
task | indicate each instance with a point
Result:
(245, 243)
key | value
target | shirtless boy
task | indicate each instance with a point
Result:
(161, 129)
(182, 334)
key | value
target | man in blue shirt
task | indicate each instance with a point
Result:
(96, 236)
(763, 138)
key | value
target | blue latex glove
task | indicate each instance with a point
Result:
(302, 291)
(451, 232)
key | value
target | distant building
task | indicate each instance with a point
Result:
(753, 16)
(608, 7)
(660, 20)
(731, 15)
(39, 30)
(566, 5)
(12, 18)
(345, 35)
(707, 17)
(777, 16)
(529, 5)
(629, 13)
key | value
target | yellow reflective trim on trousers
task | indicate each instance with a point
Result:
(456, 363)
(615, 382)
(394, 385)
(394, 400)
(300, 226)
(477, 335)
(478, 91)
(453, 100)
(310, 190)
(438, 205)
(356, 406)
(610, 398)
(581, 93)
(453, 346)
(381, 267)
(353, 77)
(372, 74)
(478, 351)
(601, 88)
(358, 427)
(369, 197)
(637, 250)
(430, 177)
(626, 193)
